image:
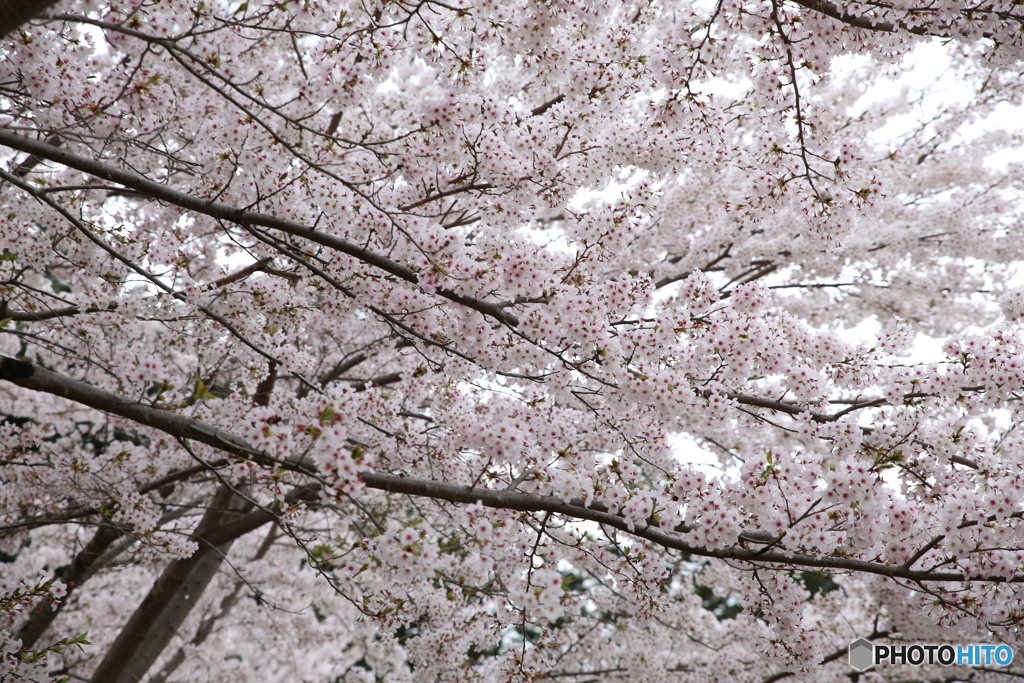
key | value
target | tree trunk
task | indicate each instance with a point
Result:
(207, 625)
(14, 13)
(170, 600)
(73, 575)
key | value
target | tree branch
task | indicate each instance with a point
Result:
(838, 13)
(36, 316)
(169, 601)
(207, 625)
(14, 13)
(72, 575)
(241, 217)
(28, 376)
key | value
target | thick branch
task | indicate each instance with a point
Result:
(169, 601)
(241, 217)
(527, 502)
(266, 387)
(207, 625)
(30, 377)
(36, 316)
(838, 13)
(26, 166)
(39, 379)
(14, 13)
(791, 408)
(72, 575)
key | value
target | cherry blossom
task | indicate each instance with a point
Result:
(508, 341)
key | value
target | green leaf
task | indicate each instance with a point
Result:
(203, 391)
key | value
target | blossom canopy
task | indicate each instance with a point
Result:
(509, 340)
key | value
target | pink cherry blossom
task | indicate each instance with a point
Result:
(508, 340)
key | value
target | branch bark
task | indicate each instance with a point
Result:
(37, 316)
(206, 627)
(28, 376)
(170, 600)
(14, 13)
(840, 14)
(72, 575)
(241, 217)
(868, 23)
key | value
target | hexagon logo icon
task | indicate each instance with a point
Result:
(862, 654)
